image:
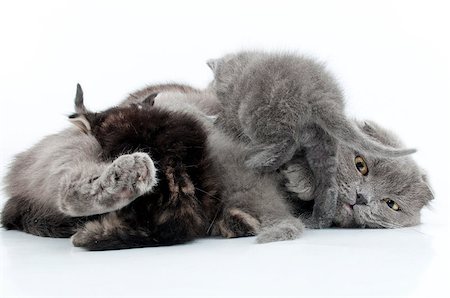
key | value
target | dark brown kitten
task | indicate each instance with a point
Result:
(183, 204)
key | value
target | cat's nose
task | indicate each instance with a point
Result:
(360, 199)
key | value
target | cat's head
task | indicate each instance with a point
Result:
(89, 122)
(109, 125)
(228, 68)
(379, 192)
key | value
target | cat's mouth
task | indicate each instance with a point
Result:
(348, 207)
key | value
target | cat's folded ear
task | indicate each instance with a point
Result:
(427, 191)
(380, 134)
(81, 121)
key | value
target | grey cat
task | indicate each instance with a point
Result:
(284, 104)
(373, 192)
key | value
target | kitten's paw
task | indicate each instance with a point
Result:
(288, 229)
(299, 181)
(82, 238)
(311, 222)
(324, 211)
(238, 223)
(263, 161)
(129, 176)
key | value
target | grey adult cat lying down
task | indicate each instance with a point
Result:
(373, 192)
(283, 104)
(61, 183)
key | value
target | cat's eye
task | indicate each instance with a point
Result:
(392, 204)
(361, 165)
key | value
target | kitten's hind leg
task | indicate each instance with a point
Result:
(110, 232)
(321, 157)
(119, 183)
(235, 222)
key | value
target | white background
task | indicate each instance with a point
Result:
(391, 57)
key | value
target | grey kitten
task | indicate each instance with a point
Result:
(253, 203)
(373, 192)
(280, 104)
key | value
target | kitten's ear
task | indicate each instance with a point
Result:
(150, 100)
(81, 121)
(212, 63)
(79, 101)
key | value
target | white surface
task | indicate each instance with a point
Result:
(392, 59)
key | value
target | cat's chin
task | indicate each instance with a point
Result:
(345, 216)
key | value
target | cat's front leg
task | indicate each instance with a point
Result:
(321, 156)
(95, 189)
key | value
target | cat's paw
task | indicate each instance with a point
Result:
(238, 223)
(324, 211)
(312, 222)
(82, 238)
(129, 176)
(288, 229)
(263, 161)
(299, 181)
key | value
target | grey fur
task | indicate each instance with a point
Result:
(399, 179)
(279, 104)
(255, 196)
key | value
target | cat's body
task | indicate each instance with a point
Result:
(282, 104)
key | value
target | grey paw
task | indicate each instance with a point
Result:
(312, 222)
(129, 176)
(263, 161)
(299, 181)
(285, 230)
(324, 211)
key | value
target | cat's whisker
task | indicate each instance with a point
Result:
(205, 192)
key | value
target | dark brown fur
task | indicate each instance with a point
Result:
(185, 201)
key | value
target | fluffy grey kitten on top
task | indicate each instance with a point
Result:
(290, 111)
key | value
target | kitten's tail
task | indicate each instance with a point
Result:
(348, 133)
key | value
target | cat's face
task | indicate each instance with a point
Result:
(379, 193)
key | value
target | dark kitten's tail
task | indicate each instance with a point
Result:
(25, 215)
(337, 125)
